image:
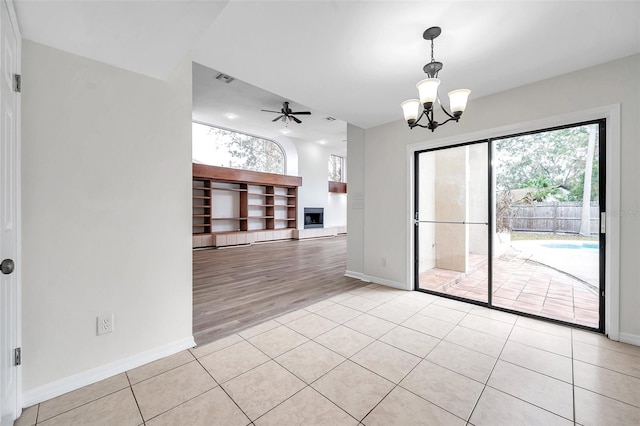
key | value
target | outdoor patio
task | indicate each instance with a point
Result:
(521, 284)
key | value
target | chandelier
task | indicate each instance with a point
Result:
(428, 93)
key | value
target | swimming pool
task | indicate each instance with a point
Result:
(573, 245)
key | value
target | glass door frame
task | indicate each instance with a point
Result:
(601, 122)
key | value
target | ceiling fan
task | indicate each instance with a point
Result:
(287, 114)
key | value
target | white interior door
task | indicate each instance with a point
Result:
(9, 217)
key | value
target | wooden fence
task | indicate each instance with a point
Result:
(554, 217)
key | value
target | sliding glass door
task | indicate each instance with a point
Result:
(452, 226)
(514, 223)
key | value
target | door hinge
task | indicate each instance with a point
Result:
(603, 222)
(17, 83)
(17, 356)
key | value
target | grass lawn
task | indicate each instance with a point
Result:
(521, 236)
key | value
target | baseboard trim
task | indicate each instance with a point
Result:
(357, 275)
(632, 339)
(371, 279)
(71, 383)
(389, 283)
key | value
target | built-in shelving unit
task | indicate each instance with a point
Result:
(232, 206)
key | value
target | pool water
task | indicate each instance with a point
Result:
(575, 245)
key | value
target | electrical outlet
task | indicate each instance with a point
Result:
(105, 324)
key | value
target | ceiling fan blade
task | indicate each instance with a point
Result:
(296, 119)
(301, 113)
(268, 110)
(277, 118)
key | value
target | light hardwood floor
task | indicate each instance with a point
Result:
(237, 288)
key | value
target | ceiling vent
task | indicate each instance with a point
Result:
(330, 119)
(224, 78)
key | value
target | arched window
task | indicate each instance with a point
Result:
(220, 147)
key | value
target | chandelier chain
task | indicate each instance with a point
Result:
(432, 60)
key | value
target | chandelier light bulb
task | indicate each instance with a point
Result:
(428, 91)
(410, 108)
(458, 100)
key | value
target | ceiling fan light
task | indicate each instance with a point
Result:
(410, 109)
(428, 90)
(458, 100)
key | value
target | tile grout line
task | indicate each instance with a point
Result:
(345, 360)
(530, 403)
(396, 385)
(518, 398)
(292, 373)
(282, 366)
(159, 374)
(485, 384)
(37, 413)
(184, 402)
(179, 405)
(134, 398)
(609, 397)
(579, 360)
(609, 349)
(83, 404)
(314, 390)
(224, 390)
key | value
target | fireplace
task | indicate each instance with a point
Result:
(313, 217)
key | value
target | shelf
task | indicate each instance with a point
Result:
(260, 217)
(285, 219)
(260, 205)
(284, 205)
(260, 194)
(201, 197)
(283, 195)
(213, 188)
(338, 187)
(201, 206)
(228, 218)
(201, 225)
(201, 215)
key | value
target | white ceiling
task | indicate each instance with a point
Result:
(149, 37)
(354, 60)
(237, 106)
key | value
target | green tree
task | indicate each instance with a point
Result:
(546, 162)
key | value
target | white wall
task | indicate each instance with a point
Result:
(386, 204)
(291, 154)
(336, 212)
(313, 167)
(356, 238)
(106, 178)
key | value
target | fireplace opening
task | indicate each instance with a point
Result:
(313, 217)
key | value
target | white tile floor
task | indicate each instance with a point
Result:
(375, 356)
